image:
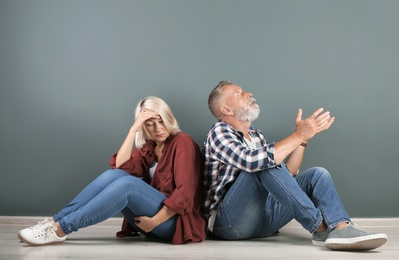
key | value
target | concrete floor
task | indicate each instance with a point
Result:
(99, 242)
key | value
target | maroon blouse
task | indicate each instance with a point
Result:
(179, 177)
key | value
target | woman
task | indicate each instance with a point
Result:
(157, 186)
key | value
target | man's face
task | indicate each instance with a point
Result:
(242, 103)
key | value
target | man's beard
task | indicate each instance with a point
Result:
(250, 114)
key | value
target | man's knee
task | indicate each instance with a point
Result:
(321, 172)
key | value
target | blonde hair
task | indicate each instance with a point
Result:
(160, 107)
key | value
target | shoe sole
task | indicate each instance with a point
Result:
(369, 243)
(33, 244)
(318, 243)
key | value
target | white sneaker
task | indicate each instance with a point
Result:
(41, 234)
(38, 225)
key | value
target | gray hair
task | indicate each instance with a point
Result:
(160, 107)
(214, 97)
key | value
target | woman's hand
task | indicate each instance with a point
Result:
(143, 116)
(126, 148)
(146, 224)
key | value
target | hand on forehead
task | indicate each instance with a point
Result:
(150, 114)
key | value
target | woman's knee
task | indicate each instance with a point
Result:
(112, 175)
(128, 182)
(115, 172)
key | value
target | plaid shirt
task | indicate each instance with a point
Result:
(226, 155)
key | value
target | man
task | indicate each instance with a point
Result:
(253, 188)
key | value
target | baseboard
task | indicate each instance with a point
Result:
(117, 221)
(29, 221)
(363, 222)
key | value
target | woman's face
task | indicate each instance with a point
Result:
(156, 130)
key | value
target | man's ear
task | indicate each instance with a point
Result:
(226, 111)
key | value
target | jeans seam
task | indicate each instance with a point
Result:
(317, 220)
(91, 217)
(230, 198)
(229, 226)
(116, 201)
(330, 226)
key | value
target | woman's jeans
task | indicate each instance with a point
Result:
(258, 204)
(112, 192)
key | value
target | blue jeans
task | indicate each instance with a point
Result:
(259, 204)
(112, 192)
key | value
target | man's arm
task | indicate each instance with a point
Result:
(294, 160)
(305, 130)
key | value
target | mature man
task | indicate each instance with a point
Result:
(253, 187)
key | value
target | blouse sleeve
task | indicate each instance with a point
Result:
(187, 171)
(133, 166)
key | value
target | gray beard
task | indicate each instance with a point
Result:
(249, 115)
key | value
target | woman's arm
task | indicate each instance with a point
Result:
(126, 148)
(147, 224)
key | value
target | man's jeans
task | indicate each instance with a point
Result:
(112, 192)
(259, 204)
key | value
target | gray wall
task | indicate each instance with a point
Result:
(71, 73)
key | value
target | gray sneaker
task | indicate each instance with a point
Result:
(319, 239)
(352, 238)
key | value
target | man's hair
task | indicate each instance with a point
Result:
(160, 107)
(214, 97)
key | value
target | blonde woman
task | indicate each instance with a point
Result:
(155, 181)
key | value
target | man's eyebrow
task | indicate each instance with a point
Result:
(238, 89)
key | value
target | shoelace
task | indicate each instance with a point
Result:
(44, 229)
(359, 229)
(41, 223)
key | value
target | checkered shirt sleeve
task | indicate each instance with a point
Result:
(226, 155)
